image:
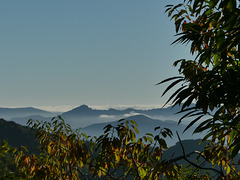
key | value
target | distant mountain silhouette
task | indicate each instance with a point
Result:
(84, 110)
(23, 120)
(146, 125)
(9, 113)
(83, 116)
(190, 146)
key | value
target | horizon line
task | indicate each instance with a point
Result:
(65, 108)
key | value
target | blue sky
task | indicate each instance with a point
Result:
(97, 52)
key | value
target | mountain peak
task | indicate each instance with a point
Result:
(84, 107)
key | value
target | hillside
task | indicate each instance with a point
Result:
(17, 135)
(23, 120)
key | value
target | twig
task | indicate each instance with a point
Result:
(135, 163)
(80, 172)
(194, 164)
(181, 157)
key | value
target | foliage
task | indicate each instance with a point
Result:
(66, 154)
(135, 157)
(63, 152)
(211, 81)
(17, 135)
(117, 154)
(8, 169)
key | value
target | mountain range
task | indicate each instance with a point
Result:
(147, 125)
(91, 121)
(9, 113)
(83, 115)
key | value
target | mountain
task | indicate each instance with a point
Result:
(9, 113)
(23, 120)
(84, 110)
(146, 125)
(189, 145)
(83, 115)
(18, 135)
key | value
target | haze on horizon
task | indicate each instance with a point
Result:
(65, 108)
(62, 54)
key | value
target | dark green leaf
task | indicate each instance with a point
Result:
(194, 121)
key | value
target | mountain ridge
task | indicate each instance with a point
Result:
(146, 125)
(83, 115)
(9, 113)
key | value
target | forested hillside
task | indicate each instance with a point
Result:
(18, 135)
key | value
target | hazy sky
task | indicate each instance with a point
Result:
(95, 52)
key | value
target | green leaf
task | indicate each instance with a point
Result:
(121, 120)
(186, 115)
(25, 148)
(172, 85)
(83, 134)
(133, 122)
(156, 128)
(148, 139)
(107, 128)
(232, 5)
(168, 132)
(132, 135)
(149, 134)
(145, 138)
(136, 129)
(174, 94)
(162, 143)
(169, 79)
(228, 169)
(235, 150)
(193, 122)
(220, 38)
(156, 137)
(203, 126)
(232, 134)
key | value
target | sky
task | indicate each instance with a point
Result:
(60, 54)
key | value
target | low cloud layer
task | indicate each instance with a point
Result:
(132, 113)
(107, 116)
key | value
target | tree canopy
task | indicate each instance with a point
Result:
(211, 80)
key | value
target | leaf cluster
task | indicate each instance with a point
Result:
(209, 84)
(116, 154)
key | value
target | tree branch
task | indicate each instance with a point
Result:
(194, 164)
(135, 163)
